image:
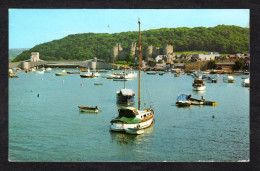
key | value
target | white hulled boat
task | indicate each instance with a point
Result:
(48, 69)
(246, 83)
(130, 117)
(229, 79)
(198, 83)
(62, 73)
(87, 75)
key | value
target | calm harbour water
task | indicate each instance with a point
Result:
(51, 128)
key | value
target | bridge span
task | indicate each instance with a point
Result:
(92, 64)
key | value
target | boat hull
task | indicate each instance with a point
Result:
(231, 81)
(88, 109)
(199, 88)
(68, 72)
(86, 76)
(212, 81)
(245, 84)
(183, 104)
(122, 126)
(61, 74)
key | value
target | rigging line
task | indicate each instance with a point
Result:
(134, 21)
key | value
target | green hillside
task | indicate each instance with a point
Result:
(223, 38)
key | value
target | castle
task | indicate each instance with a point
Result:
(148, 53)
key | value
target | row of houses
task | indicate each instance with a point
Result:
(201, 57)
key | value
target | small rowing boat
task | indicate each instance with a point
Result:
(72, 72)
(88, 109)
(98, 84)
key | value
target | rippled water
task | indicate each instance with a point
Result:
(50, 128)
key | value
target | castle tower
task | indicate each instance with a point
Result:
(168, 49)
(116, 52)
(132, 50)
(148, 52)
(121, 55)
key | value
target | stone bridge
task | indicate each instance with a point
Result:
(92, 64)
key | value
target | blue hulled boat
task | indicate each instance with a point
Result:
(125, 96)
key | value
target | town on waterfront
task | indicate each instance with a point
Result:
(176, 94)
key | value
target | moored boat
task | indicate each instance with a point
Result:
(73, 72)
(130, 117)
(177, 74)
(212, 79)
(88, 109)
(161, 73)
(125, 96)
(40, 72)
(151, 73)
(120, 78)
(229, 79)
(48, 70)
(246, 83)
(198, 84)
(183, 100)
(62, 73)
(98, 83)
(12, 74)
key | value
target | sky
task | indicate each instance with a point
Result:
(30, 27)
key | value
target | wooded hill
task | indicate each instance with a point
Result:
(222, 38)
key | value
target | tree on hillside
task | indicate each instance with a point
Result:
(129, 58)
(212, 64)
(238, 65)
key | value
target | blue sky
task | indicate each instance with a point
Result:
(30, 27)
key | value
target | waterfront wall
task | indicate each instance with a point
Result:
(15, 64)
(195, 66)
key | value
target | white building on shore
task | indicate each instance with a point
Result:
(206, 57)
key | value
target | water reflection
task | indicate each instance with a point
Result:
(123, 138)
(124, 105)
(199, 92)
(182, 107)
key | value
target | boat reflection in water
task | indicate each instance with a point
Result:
(123, 138)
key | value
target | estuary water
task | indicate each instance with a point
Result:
(51, 128)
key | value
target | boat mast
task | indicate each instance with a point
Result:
(199, 67)
(124, 77)
(139, 78)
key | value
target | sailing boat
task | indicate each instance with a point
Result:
(198, 83)
(125, 96)
(87, 75)
(132, 118)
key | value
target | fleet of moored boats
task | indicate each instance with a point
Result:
(134, 120)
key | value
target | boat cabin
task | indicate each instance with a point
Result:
(126, 92)
(127, 112)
